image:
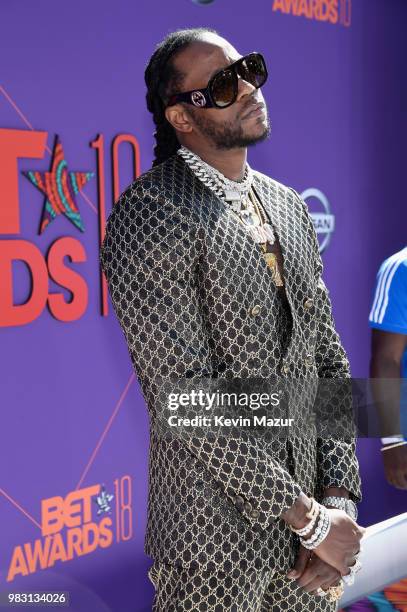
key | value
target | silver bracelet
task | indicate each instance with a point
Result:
(324, 532)
(321, 531)
(319, 525)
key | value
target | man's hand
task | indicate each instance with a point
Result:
(395, 466)
(311, 572)
(342, 542)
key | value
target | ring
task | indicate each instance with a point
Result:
(321, 592)
(349, 579)
(357, 566)
(335, 592)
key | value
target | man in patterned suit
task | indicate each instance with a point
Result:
(214, 272)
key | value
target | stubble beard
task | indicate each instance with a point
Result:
(228, 135)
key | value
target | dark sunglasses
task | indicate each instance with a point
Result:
(222, 88)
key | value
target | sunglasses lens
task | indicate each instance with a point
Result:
(223, 89)
(253, 70)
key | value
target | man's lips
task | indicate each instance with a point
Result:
(254, 109)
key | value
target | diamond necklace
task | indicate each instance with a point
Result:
(233, 192)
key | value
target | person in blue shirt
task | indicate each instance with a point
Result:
(388, 320)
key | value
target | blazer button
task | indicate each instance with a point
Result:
(308, 303)
(248, 507)
(254, 311)
(309, 360)
(254, 513)
(239, 502)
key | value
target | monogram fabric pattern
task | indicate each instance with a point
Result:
(200, 590)
(195, 298)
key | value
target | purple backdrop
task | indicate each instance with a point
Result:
(72, 413)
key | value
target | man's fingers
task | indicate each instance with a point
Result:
(326, 578)
(402, 479)
(316, 574)
(314, 584)
(330, 583)
(300, 563)
(308, 576)
(344, 569)
(397, 478)
(397, 481)
(361, 530)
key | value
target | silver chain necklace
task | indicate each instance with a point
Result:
(234, 193)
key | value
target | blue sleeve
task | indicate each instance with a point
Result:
(389, 307)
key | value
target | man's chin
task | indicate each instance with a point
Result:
(260, 137)
(244, 140)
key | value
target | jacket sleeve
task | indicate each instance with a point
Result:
(337, 461)
(149, 256)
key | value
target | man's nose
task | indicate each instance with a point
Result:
(244, 88)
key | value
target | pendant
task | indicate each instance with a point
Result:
(250, 218)
(232, 196)
(271, 261)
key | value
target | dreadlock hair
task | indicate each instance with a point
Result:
(162, 80)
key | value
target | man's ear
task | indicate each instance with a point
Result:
(178, 118)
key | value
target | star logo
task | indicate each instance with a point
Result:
(60, 188)
(103, 501)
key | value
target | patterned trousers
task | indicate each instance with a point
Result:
(180, 589)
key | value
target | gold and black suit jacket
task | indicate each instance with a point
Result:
(195, 298)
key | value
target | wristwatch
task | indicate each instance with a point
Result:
(342, 503)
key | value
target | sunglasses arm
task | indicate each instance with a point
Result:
(187, 97)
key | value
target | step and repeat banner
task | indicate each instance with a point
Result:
(74, 133)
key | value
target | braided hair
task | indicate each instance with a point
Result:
(162, 80)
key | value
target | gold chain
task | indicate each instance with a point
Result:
(270, 257)
(262, 216)
(256, 205)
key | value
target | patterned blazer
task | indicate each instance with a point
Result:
(195, 297)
